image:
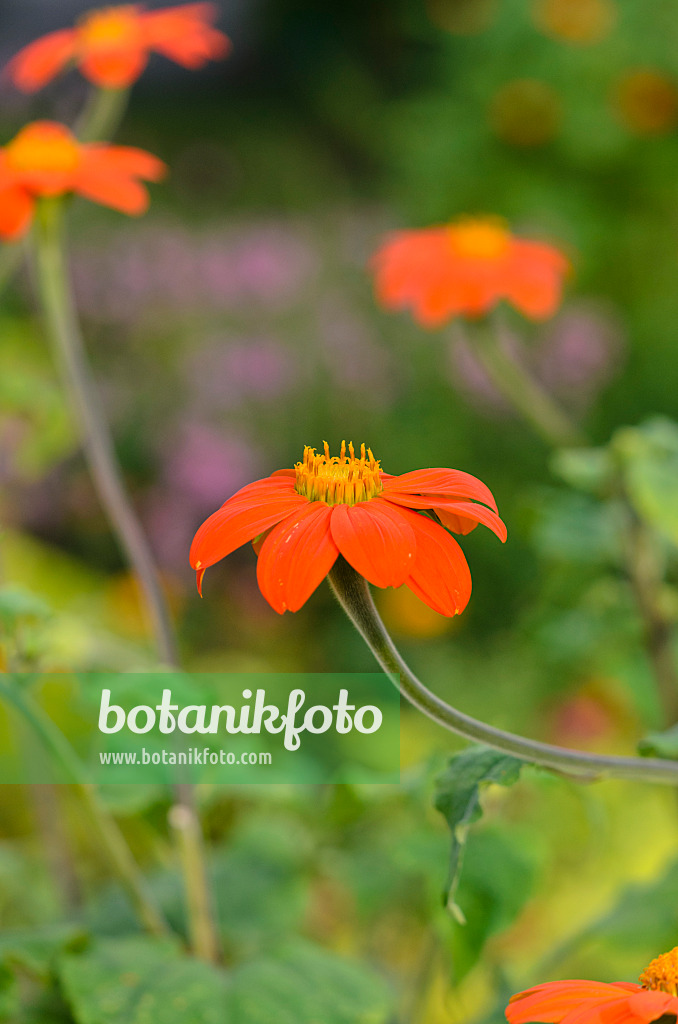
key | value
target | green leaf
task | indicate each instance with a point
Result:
(499, 876)
(645, 917)
(660, 744)
(18, 603)
(35, 951)
(458, 800)
(649, 458)
(304, 984)
(142, 981)
(587, 469)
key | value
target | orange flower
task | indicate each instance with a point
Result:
(594, 1002)
(466, 268)
(391, 529)
(111, 46)
(45, 159)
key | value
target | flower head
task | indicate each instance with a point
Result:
(393, 530)
(594, 1002)
(45, 159)
(111, 45)
(465, 269)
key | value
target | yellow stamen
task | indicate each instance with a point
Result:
(43, 147)
(662, 973)
(481, 238)
(338, 479)
(109, 26)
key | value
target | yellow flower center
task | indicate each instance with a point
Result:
(480, 238)
(338, 479)
(43, 147)
(662, 973)
(111, 26)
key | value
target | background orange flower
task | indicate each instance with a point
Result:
(465, 269)
(45, 159)
(111, 46)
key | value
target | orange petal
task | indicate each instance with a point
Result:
(40, 61)
(441, 576)
(236, 522)
(470, 512)
(16, 212)
(451, 483)
(108, 175)
(376, 540)
(534, 279)
(649, 1005)
(185, 34)
(114, 67)
(552, 1002)
(296, 556)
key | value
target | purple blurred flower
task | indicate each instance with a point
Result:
(576, 355)
(227, 370)
(206, 466)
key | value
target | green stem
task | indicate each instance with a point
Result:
(101, 117)
(111, 837)
(186, 824)
(646, 574)
(354, 596)
(64, 331)
(522, 391)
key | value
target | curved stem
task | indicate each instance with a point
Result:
(354, 596)
(64, 331)
(110, 835)
(523, 391)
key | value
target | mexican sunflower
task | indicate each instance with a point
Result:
(465, 269)
(393, 530)
(111, 46)
(594, 1002)
(46, 160)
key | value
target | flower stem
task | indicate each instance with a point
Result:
(64, 331)
(523, 391)
(104, 824)
(354, 596)
(186, 824)
(102, 114)
(646, 573)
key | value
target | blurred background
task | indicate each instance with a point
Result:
(236, 323)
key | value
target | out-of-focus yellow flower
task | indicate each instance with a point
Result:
(647, 101)
(525, 112)
(580, 22)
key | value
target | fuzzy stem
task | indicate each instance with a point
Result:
(102, 114)
(354, 596)
(105, 825)
(184, 819)
(64, 332)
(523, 391)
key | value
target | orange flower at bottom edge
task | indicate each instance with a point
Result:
(302, 519)
(465, 269)
(46, 160)
(594, 1002)
(111, 46)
